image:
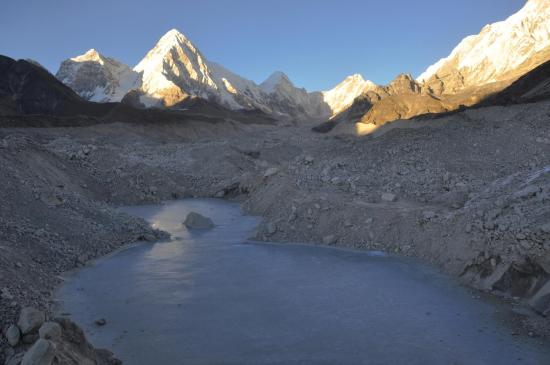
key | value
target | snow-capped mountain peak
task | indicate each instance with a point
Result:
(274, 80)
(90, 55)
(500, 48)
(171, 35)
(355, 78)
(174, 69)
(172, 39)
(342, 95)
(96, 77)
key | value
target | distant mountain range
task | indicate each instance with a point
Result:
(30, 96)
(175, 70)
(174, 74)
(480, 67)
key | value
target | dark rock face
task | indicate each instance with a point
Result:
(531, 87)
(26, 88)
(33, 90)
(361, 105)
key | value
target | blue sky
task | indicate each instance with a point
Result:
(316, 43)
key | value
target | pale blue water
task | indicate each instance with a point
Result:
(214, 298)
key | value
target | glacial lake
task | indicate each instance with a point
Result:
(214, 297)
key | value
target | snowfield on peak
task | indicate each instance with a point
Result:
(499, 48)
(276, 78)
(175, 68)
(97, 78)
(343, 94)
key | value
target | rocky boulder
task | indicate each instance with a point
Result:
(41, 353)
(195, 220)
(270, 172)
(13, 335)
(50, 331)
(388, 197)
(330, 239)
(541, 300)
(271, 229)
(30, 320)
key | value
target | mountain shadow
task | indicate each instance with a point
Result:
(532, 87)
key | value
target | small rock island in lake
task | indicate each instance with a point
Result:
(195, 220)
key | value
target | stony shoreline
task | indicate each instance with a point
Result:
(469, 192)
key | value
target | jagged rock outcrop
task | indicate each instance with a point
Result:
(403, 84)
(403, 98)
(403, 106)
(480, 66)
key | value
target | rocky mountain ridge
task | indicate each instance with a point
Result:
(502, 51)
(480, 66)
